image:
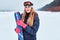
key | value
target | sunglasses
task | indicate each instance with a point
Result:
(27, 5)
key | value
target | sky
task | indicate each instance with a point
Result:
(18, 4)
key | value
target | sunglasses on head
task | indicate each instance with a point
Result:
(27, 5)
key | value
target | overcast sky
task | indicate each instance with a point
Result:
(18, 4)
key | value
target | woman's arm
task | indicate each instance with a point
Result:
(35, 27)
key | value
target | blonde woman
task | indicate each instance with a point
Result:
(29, 22)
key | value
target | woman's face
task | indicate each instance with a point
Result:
(28, 9)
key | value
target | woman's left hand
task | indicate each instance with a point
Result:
(17, 30)
(21, 23)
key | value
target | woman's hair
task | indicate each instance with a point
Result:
(30, 19)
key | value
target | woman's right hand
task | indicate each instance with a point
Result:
(21, 23)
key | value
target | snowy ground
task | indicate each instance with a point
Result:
(49, 26)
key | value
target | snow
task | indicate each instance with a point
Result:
(49, 28)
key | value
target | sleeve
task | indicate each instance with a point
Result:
(33, 30)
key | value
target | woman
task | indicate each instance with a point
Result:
(29, 22)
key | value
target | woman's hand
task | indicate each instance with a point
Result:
(17, 30)
(21, 23)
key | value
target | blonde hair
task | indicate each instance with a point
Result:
(30, 19)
